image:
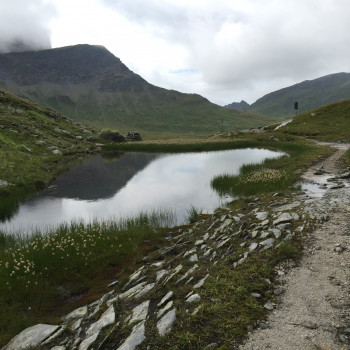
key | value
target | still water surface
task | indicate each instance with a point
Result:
(130, 183)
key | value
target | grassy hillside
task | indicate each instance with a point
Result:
(91, 85)
(329, 123)
(33, 140)
(310, 94)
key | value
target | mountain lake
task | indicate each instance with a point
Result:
(112, 186)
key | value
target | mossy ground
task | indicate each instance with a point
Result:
(328, 123)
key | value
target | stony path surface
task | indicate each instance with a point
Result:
(314, 311)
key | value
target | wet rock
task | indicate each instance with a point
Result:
(165, 324)
(319, 171)
(136, 337)
(31, 337)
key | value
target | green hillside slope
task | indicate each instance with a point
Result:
(329, 123)
(33, 140)
(90, 84)
(310, 94)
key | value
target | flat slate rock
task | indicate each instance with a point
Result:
(31, 337)
(136, 337)
(166, 322)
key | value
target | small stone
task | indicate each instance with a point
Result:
(193, 298)
(193, 258)
(262, 215)
(165, 324)
(265, 223)
(253, 246)
(269, 306)
(211, 346)
(264, 325)
(268, 243)
(265, 234)
(199, 242)
(308, 324)
(283, 218)
(256, 295)
(166, 298)
(278, 291)
(201, 282)
(57, 152)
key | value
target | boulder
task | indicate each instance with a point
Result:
(110, 135)
(31, 337)
(133, 136)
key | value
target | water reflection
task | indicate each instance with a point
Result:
(133, 183)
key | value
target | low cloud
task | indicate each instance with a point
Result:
(24, 25)
(249, 45)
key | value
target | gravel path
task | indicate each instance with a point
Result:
(314, 310)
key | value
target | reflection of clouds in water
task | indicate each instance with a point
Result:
(169, 182)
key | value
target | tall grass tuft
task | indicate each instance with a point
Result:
(193, 214)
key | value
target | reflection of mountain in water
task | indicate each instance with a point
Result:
(98, 177)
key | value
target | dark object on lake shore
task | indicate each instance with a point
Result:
(110, 135)
(133, 136)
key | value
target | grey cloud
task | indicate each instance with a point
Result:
(251, 44)
(24, 25)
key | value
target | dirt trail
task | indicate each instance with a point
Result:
(314, 310)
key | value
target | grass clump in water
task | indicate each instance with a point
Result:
(272, 175)
(193, 214)
(40, 273)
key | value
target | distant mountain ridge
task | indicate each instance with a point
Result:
(90, 84)
(309, 94)
(240, 106)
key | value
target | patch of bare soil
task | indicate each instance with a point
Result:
(314, 310)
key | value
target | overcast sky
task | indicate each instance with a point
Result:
(225, 50)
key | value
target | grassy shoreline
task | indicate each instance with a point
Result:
(67, 278)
